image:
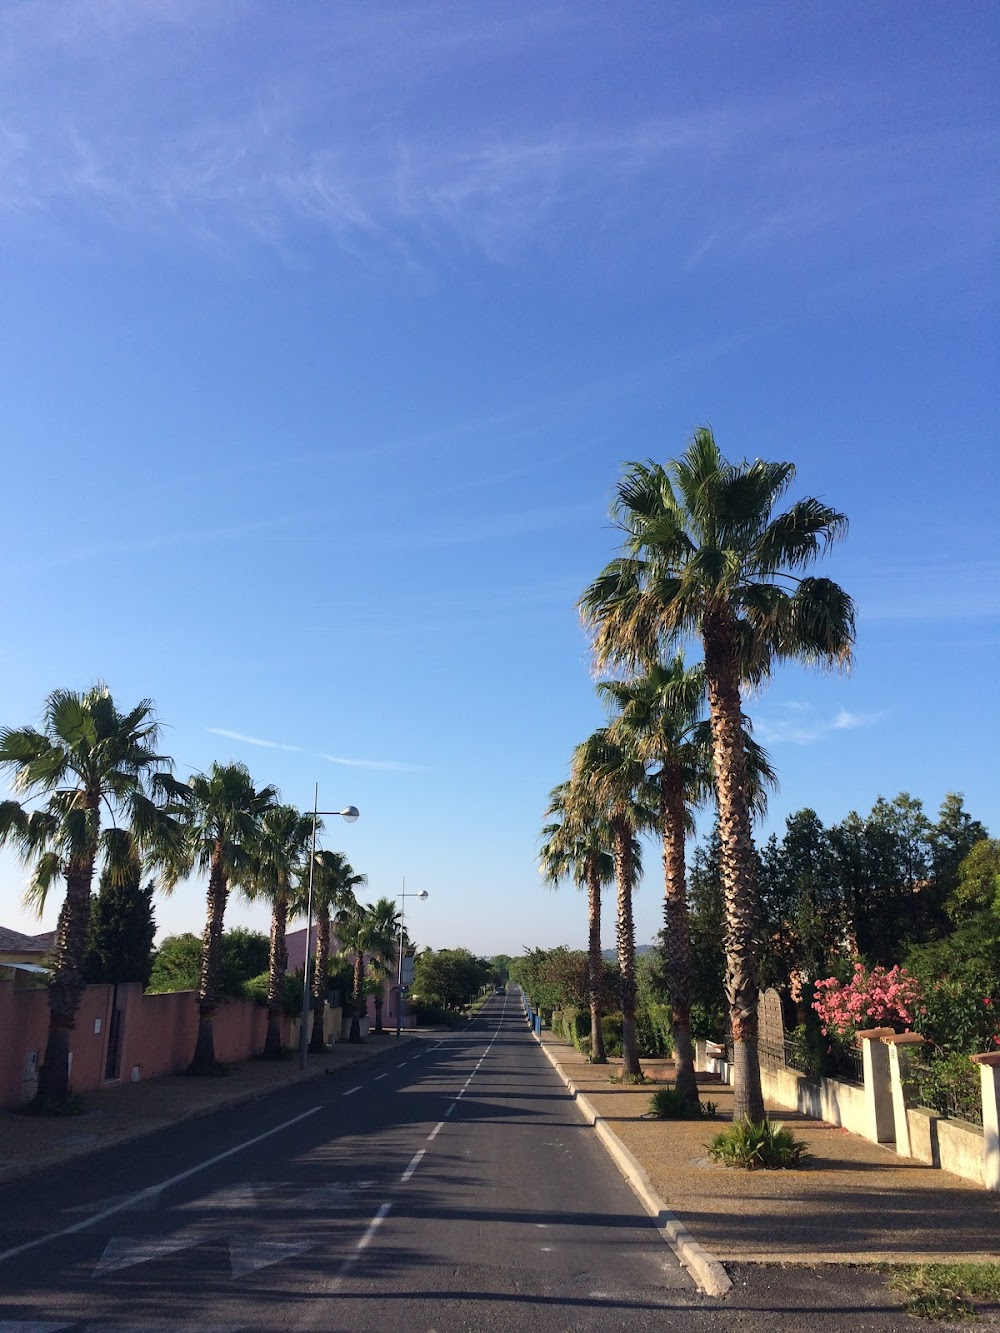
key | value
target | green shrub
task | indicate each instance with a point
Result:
(611, 1026)
(753, 1146)
(669, 1104)
(950, 1084)
(654, 1031)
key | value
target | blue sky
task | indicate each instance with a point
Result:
(327, 328)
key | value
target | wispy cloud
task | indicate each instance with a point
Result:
(803, 730)
(379, 765)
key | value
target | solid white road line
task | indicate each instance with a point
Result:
(415, 1162)
(153, 1189)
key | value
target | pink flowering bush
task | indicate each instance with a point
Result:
(883, 997)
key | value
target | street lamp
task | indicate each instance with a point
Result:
(349, 814)
(422, 894)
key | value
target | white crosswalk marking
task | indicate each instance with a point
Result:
(246, 1255)
(127, 1251)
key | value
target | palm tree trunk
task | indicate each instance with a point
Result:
(379, 1001)
(357, 998)
(277, 966)
(67, 983)
(739, 879)
(677, 933)
(595, 963)
(320, 978)
(624, 875)
(211, 967)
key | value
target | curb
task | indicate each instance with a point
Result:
(708, 1272)
(17, 1173)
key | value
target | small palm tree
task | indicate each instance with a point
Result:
(87, 757)
(705, 557)
(359, 933)
(223, 825)
(617, 779)
(277, 861)
(578, 844)
(387, 939)
(334, 882)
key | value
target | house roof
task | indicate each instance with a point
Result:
(12, 941)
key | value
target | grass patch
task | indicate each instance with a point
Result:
(669, 1104)
(756, 1147)
(944, 1291)
(55, 1106)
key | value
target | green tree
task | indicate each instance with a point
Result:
(978, 887)
(177, 962)
(334, 882)
(277, 864)
(578, 844)
(705, 557)
(617, 778)
(387, 938)
(122, 928)
(223, 820)
(448, 977)
(87, 757)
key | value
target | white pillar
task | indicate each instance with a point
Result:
(899, 1047)
(879, 1121)
(989, 1072)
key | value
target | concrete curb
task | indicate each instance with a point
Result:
(708, 1273)
(11, 1173)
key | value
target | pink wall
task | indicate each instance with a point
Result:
(158, 1035)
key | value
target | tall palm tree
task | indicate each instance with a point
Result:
(705, 557)
(578, 844)
(661, 716)
(334, 882)
(617, 778)
(223, 823)
(386, 931)
(281, 848)
(87, 756)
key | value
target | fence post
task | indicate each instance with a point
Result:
(989, 1073)
(899, 1046)
(879, 1120)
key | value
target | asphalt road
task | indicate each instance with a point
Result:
(451, 1185)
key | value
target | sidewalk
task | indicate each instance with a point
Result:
(856, 1202)
(129, 1110)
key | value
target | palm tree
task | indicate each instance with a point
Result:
(579, 844)
(617, 779)
(282, 844)
(334, 882)
(224, 817)
(704, 556)
(386, 928)
(87, 756)
(361, 931)
(661, 717)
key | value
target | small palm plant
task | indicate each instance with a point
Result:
(758, 1145)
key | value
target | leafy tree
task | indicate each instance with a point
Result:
(177, 962)
(244, 955)
(952, 839)
(277, 861)
(706, 914)
(223, 820)
(88, 757)
(448, 977)
(578, 843)
(978, 888)
(704, 556)
(122, 929)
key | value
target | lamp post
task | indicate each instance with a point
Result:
(399, 967)
(349, 814)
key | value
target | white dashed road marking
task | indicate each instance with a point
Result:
(413, 1165)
